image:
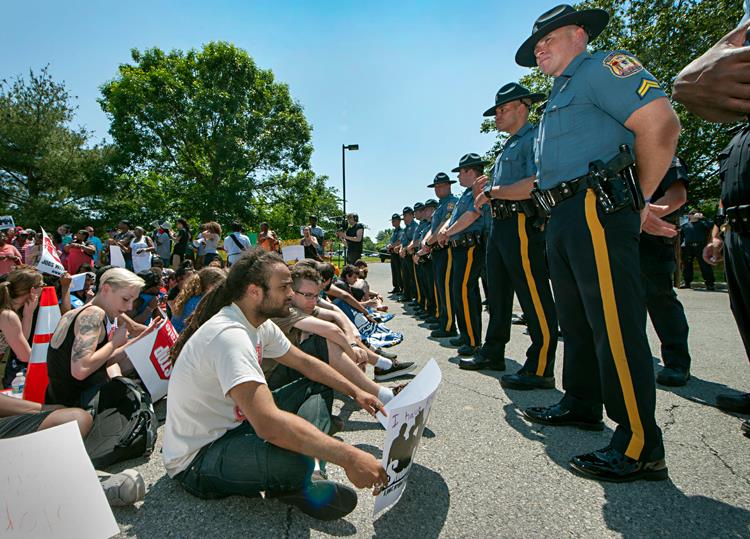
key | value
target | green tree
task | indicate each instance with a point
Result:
(48, 174)
(383, 237)
(208, 134)
(665, 36)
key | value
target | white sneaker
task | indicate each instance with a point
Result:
(124, 488)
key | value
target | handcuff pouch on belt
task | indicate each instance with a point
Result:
(468, 239)
(505, 209)
(615, 184)
(738, 219)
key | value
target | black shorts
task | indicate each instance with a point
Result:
(19, 425)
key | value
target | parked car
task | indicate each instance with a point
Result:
(383, 254)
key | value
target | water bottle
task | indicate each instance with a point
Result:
(18, 382)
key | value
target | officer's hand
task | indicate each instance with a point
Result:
(478, 185)
(716, 86)
(713, 253)
(480, 201)
(655, 226)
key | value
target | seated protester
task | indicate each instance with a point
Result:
(184, 272)
(148, 298)
(82, 355)
(227, 433)
(321, 339)
(79, 252)
(349, 276)
(19, 296)
(217, 263)
(236, 243)
(80, 297)
(192, 292)
(341, 297)
(19, 417)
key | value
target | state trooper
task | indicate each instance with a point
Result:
(423, 263)
(658, 264)
(442, 257)
(411, 250)
(716, 87)
(407, 272)
(515, 250)
(393, 247)
(601, 106)
(465, 232)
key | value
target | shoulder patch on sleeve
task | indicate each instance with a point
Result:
(451, 205)
(645, 86)
(622, 64)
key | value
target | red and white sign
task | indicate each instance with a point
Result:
(150, 357)
(49, 262)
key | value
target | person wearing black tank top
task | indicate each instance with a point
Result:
(81, 356)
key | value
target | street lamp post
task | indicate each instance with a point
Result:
(352, 148)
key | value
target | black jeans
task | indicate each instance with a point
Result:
(241, 463)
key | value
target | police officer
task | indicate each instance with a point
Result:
(423, 261)
(411, 250)
(465, 231)
(601, 105)
(442, 257)
(393, 247)
(407, 272)
(658, 264)
(515, 250)
(695, 234)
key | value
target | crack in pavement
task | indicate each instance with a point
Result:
(288, 527)
(671, 420)
(473, 390)
(728, 466)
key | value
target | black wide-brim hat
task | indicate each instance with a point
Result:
(396, 216)
(592, 20)
(430, 203)
(470, 160)
(441, 177)
(512, 92)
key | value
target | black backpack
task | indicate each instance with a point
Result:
(124, 423)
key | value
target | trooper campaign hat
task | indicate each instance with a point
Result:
(430, 203)
(470, 160)
(512, 92)
(592, 20)
(418, 206)
(441, 177)
(406, 210)
(395, 216)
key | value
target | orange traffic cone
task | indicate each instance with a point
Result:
(46, 322)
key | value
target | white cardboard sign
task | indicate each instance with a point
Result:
(293, 253)
(49, 261)
(50, 488)
(150, 357)
(115, 256)
(407, 416)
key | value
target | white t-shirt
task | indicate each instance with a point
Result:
(225, 351)
(234, 252)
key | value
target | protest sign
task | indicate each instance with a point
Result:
(78, 281)
(50, 489)
(407, 416)
(6, 222)
(115, 256)
(293, 253)
(49, 260)
(150, 357)
(141, 261)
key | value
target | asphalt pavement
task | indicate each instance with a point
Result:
(484, 471)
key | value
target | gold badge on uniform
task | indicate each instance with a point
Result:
(646, 85)
(622, 65)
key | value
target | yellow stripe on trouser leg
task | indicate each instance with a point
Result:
(416, 283)
(612, 323)
(437, 303)
(465, 295)
(531, 283)
(448, 306)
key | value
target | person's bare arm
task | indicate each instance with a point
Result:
(328, 330)
(462, 223)
(65, 282)
(85, 359)
(674, 198)
(134, 328)
(12, 330)
(10, 406)
(338, 293)
(332, 313)
(716, 85)
(291, 432)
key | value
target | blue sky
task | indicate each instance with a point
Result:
(407, 81)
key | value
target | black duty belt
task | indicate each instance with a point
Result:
(737, 218)
(504, 209)
(468, 240)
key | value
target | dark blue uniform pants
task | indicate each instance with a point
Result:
(516, 260)
(396, 271)
(467, 266)
(442, 261)
(427, 287)
(737, 266)
(595, 269)
(691, 252)
(407, 274)
(668, 317)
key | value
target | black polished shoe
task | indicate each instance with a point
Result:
(467, 350)
(518, 320)
(433, 327)
(442, 334)
(458, 341)
(745, 428)
(479, 363)
(685, 286)
(710, 287)
(611, 465)
(431, 319)
(395, 291)
(669, 376)
(526, 380)
(734, 403)
(558, 416)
